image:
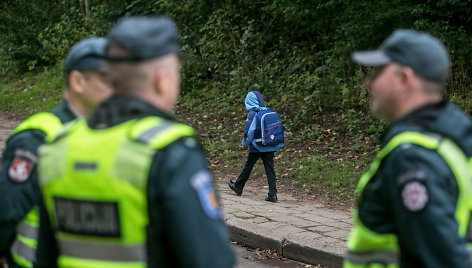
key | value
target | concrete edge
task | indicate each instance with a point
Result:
(311, 255)
(251, 235)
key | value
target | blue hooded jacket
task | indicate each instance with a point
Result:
(254, 102)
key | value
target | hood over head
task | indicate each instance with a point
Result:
(254, 101)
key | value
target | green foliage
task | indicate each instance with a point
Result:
(39, 33)
(21, 21)
(72, 27)
(297, 53)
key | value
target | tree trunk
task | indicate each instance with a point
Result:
(87, 8)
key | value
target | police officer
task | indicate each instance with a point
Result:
(415, 202)
(130, 187)
(84, 75)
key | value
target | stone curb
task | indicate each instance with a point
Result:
(291, 247)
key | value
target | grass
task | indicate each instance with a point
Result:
(32, 93)
(338, 178)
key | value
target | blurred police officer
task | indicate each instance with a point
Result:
(84, 75)
(414, 203)
(130, 187)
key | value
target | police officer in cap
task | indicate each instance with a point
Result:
(84, 75)
(415, 201)
(130, 187)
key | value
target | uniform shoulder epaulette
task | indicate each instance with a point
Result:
(45, 121)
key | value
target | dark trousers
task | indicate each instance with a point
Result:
(268, 160)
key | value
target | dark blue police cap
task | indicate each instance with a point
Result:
(143, 38)
(88, 54)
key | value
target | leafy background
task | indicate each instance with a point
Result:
(296, 53)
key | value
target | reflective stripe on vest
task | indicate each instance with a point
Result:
(366, 248)
(94, 188)
(382, 257)
(23, 249)
(23, 254)
(27, 230)
(103, 252)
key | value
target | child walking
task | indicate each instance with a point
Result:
(254, 103)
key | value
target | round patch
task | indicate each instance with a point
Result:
(415, 196)
(20, 169)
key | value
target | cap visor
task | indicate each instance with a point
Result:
(371, 58)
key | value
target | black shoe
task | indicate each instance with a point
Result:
(237, 191)
(271, 198)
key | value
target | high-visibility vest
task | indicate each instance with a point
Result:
(93, 183)
(23, 249)
(366, 248)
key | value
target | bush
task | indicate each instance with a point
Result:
(297, 53)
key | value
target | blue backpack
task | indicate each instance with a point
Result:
(269, 129)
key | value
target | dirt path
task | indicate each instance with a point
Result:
(7, 124)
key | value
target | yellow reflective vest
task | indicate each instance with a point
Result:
(368, 249)
(93, 183)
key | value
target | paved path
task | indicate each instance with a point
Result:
(306, 232)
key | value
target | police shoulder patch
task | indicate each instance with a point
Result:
(414, 192)
(22, 165)
(201, 182)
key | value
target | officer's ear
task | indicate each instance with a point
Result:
(160, 81)
(76, 81)
(407, 77)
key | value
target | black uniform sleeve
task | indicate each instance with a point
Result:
(186, 224)
(422, 194)
(18, 181)
(47, 251)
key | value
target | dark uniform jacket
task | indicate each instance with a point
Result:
(18, 198)
(180, 232)
(423, 219)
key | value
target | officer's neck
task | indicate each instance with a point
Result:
(413, 103)
(76, 106)
(156, 100)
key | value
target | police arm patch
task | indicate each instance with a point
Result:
(414, 192)
(201, 182)
(415, 196)
(22, 165)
